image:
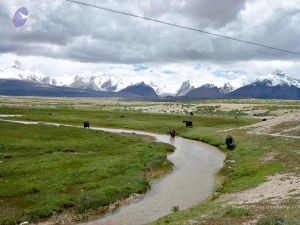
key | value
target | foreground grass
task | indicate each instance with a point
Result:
(49, 169)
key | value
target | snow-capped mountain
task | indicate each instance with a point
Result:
(109, 86)
(85, 83)
(17, 72)
(185, 88)
(277, 78)
(108, 83)
(275, 86)
(94, 82)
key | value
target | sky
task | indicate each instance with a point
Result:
(63, 39)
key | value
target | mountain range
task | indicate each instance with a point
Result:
(276, 85)
(16, 80)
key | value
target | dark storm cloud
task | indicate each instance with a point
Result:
(68, 31)
(201, 12)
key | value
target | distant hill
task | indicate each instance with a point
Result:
(140, 89)
(262, 91)
(206, 91)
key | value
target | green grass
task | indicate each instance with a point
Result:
(248, 170)
(155, 122)
(49, 169)
(237, 212)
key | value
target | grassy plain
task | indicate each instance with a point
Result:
(46, 170)
(245, 168)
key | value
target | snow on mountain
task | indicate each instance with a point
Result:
(85, 83)
(185, 88)
(277, 78)
(226, 88)
(109, 86)
(209, 86)
(111, 83)
(18, 72)
(98, 82)
(162, 84)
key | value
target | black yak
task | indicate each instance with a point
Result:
(86, 124)
(230, 142)
(264, 119)
(188, 123)
(172, 132)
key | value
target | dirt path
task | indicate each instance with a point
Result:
(276, 189)
(271, 127)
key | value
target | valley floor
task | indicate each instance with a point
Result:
(259, 183)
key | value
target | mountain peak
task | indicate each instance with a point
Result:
(85, 83)
(277, 78)
(278, 73)
(227, 88)
(185, 88)
(140, 89)
(109, 86)
(209, 86)
(205, 91)
(141, 83)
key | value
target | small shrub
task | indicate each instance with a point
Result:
(35, 190)
(175, 208)
(237, 212)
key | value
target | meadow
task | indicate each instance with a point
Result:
(255, 157)
(47, 170)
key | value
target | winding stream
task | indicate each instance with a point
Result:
(191, 182)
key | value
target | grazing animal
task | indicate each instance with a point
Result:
(230, 142)
(122, 117)
(188, 123)
(192, 113)
(86, 124)
(172, 132)
(264, 119)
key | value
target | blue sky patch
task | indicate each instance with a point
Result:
(139, 67)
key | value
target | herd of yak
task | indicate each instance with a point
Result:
(188, 124)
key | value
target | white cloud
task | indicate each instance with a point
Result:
(63, 40)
